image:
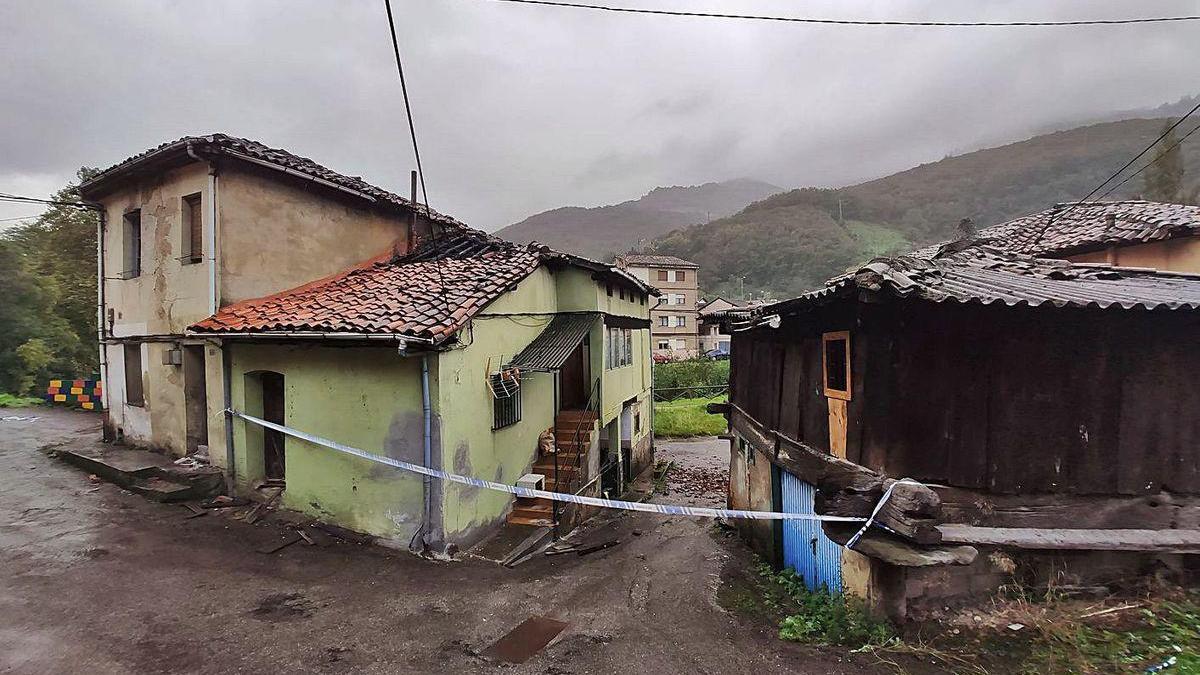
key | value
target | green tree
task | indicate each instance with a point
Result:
(1164, 179)
(48, 317)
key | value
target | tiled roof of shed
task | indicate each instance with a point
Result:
(402, 296)
(985, 275)
(1068, 228)
(224, 144)
(649, 260)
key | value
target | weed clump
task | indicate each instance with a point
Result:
(821, 617)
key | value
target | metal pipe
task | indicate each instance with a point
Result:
(227, 385)
(210, 229)
(427, 447)
(100, 336)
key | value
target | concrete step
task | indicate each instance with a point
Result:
(162, 490)
(150, 474)
(547, 470)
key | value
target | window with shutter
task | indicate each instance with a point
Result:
(193, 230)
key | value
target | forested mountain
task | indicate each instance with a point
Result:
(602, 231)
(793, 241)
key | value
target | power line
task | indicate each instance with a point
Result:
(5, 220)
(1050, 221)
(1147, 165)
(852, 22)
(412, 130)
(6, 197)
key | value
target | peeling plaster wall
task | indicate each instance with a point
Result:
(366, 397)
(470, 446)
(274, 233)
(279, 234)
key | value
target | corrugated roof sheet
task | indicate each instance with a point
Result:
(1070, 228)
(551, 348)
(649, 260)
(986, 275)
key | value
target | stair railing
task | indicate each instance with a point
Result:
(593, 403)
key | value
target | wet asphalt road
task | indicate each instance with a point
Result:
(96, 580)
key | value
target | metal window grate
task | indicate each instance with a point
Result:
(506, 402)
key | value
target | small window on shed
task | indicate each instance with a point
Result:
(836, 354)
(193, 228)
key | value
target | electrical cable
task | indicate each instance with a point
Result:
(852, 22)
(1147, 165)
(1057, 216)
(412, 130)
(19, 199)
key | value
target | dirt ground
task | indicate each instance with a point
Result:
(101, 581)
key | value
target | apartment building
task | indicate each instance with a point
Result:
(674, 322)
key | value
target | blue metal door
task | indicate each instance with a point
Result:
(806, 549)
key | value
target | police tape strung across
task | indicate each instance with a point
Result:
(667, 509)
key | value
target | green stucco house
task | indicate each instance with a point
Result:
(459, 352)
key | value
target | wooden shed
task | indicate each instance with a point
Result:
(1044, 407)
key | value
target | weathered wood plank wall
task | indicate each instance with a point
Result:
(1009, 400)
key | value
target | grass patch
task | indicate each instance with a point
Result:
(877, 240)
(11, 401)
(820, 617)
(1163, 632)
(688, 417)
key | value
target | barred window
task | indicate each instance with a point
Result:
(506, 402)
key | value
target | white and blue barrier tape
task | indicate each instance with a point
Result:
(666, 509)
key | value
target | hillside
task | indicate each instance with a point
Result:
(791, 241)
(602, 231)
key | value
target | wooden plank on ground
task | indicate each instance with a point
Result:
(1174, 541)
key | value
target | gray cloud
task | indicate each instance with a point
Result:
(520, 108)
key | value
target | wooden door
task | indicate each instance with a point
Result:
(573, 389)
(273, 441)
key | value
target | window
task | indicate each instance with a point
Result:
(836, 358)
(662, 275)
(664, 344)
(637, 421)
(193, 228)
(132, 236)
(621, 293)
(664, 320)
(608, 288)
(680, 321)
(506, 402)
(675, 298)
(619, 350)
(680, 275)
(642, 298)
(133, 374)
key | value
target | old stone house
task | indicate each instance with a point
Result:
(347, 312)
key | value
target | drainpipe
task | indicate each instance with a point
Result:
(210, 230)
(100, 319)
(427, 443)
(227, 385)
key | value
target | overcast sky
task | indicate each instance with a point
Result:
(523, 108)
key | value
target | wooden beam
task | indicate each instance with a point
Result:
(1158, 511)
(843, 487)
(1169, 541)
(897, 551)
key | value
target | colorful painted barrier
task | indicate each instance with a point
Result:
(86, 394)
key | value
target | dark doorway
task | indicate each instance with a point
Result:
(195, 397)
(273, 405)
(573, 380)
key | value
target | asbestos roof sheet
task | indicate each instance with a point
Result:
(1072, 228)
(428, 294)
(986, 275)
(551, 348)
